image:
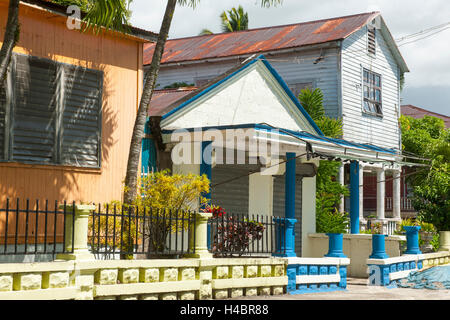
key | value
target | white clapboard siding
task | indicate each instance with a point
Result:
(296, 67)
(358, 127)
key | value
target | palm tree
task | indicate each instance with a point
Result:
(150, 81)
(111, 14)
(235, 20)
(10, 39)
(205, 32)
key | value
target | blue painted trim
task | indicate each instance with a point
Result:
(378, 247)
(290, 185)
(304, 135)
(294, 270)
(412, 240)
(354, 197)
(148, 152)
(206, 169)
(335, 245)
(285, 246)
(318, 290)
(272, 71)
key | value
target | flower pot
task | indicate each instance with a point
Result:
(335, 245)
(444, 242)
(426, 237)
(412, 240)
(378, 247)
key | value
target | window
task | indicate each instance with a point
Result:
(371, 42)
(54, 113)
(297, 88)
(372, 93)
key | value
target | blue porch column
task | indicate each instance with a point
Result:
(148, 152)
(354, 197)
(206, 169)
(412, 240)
(287, 247)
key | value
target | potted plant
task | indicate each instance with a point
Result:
(378, 242)
(426, 235)
(334, 224)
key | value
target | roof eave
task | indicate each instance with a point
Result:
(323, 45)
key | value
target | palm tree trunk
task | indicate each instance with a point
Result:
(10, 38)
(139, 125)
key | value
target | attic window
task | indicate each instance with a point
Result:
(371, 44)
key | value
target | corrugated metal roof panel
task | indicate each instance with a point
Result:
(162, 99)
(419, 113)
(259, 40)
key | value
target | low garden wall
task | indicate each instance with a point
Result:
(309, 275)
(385, 272)
(357, 247)
(184, 279)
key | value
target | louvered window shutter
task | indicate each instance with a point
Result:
(81, 117)
(35, 110)
(54, 113)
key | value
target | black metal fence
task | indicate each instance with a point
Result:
(116, 231)
(239, 235)
(34, 229)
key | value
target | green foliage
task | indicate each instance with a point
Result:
(428, 138)
(111, 14)
(329, 191)
(329, 219)
(312, 102)
(161, 190)
(167, 200)
(205, 32)
(178, 85)
(435, 243)
(234, 20)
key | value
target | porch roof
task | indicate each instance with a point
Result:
(323, 147)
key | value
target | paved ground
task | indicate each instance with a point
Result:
(357, 289)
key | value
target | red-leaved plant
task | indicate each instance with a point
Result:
(232, 235)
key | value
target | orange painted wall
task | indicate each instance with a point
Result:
(44, 34)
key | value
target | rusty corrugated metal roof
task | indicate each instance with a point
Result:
(419, 113)
(259, 40)
(163, 99)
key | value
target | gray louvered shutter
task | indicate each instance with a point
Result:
(81, 124)
(35, 110)
(233, 195)
(279, 205)
(2, 122)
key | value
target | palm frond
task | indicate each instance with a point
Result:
(110, 14)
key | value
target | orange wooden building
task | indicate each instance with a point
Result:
(67, 112)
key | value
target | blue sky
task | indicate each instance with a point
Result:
(428, 83)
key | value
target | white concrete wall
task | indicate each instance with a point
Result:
(260, 194)
(308, 215)
(252, 96)
(357, 248)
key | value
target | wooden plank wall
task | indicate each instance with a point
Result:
(44, 34)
